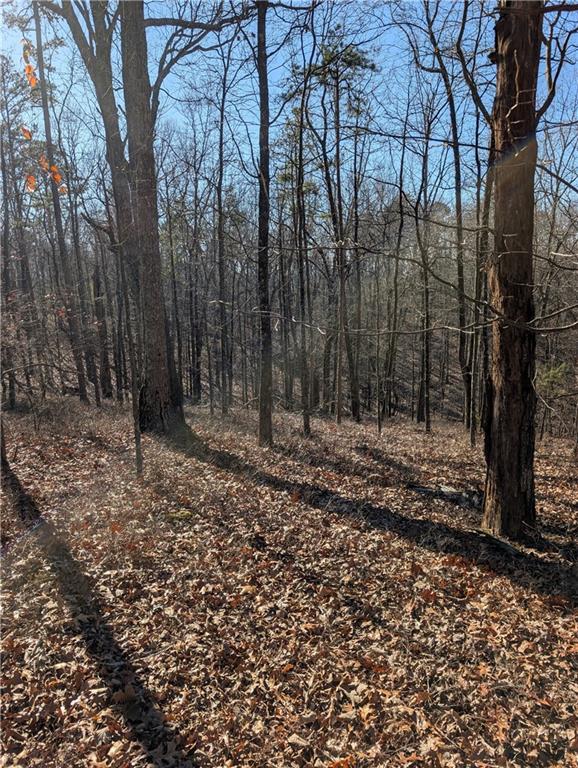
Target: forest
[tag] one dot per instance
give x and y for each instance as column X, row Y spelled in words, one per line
column 289, row 367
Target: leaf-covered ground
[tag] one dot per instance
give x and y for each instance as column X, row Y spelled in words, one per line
column 327, row 602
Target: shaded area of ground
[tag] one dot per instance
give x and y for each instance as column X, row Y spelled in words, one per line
column 328, row 602
column 529, row 570
column 129, row 697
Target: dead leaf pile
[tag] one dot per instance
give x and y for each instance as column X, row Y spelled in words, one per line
column 325, row 602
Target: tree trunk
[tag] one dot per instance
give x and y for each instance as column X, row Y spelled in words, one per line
column 134, row 377
column 7, row 297
column 302, row 255
column 33, row 325
column 176, row 317
column 266, row 366
column 100, row 311
column 448, row 85
column 195, row 328
column 160, row 395
column 69, row 293
column 221, row 241
column 509, row 504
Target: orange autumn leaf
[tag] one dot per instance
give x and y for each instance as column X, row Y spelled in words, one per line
column 30, row 73
column 56, row 175
column 43, row 162
column 63, row 189
column 26, row 132
column 30, row 183
column 343, row 762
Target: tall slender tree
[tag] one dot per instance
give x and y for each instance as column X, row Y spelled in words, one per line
column 266, row 364
column 69, row 287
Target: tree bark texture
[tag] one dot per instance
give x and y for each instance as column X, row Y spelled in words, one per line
column 509, row 504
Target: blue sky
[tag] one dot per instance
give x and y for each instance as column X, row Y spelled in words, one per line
column 386, row 90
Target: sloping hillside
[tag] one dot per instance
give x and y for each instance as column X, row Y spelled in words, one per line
column 326, row 602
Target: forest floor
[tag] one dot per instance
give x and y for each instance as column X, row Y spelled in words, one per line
column 326, row 602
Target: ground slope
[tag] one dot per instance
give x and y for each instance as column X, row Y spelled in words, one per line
column 327, row 602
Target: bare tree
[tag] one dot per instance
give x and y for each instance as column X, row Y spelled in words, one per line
column 266, row 364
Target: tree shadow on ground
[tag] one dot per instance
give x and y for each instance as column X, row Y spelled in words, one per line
column 389, row 473
column 406, row 471
column 523, row 568
column 128, row 694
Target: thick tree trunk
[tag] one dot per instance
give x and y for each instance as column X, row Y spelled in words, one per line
column 119, row 343
column 284, row 273
column 354, row 363
column 134, row 195
column 96, row 55
column 134, row 378
column 160, row 395
column 340, row 259
column 509, row 505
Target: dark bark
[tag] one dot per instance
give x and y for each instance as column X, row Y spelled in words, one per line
column 160, row 396
column 96, row 55
column 195, row 330
column 266, row 363
column 134, row 376
column 509, row 504
column 7, row 283
column 223, row 325
column 302, row 255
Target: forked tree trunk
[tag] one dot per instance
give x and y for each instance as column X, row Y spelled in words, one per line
column 509, row 504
